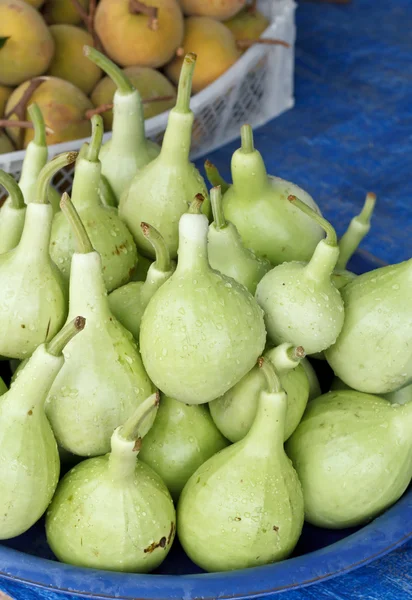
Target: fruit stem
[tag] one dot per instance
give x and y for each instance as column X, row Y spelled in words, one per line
column 272, row 380
column 215, row 177
column 246, row 138
column 47, row 173
column 137, row 7
column 358, row 228
column 296, row 353
column 36, row 117
column 82, row 240
column 195, row 207
column 12, row 188
column 162, row 262
column 132, row 430
column 331, row 238
column 95, row 144
column 56, row 346
column 184, row 89
column 217, row 208
column 116, row 75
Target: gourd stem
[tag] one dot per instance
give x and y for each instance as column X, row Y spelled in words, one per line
column 36, row 117
column 246, row 138
column 195, row 207
column 331, row 238
column 116, row 75
column 217, row 208
column 12, row 188
column 83, row 243
column 131, row 430
column 56, row 346
column 296, row 353
column 184, row 89
column 93, row 149
column 272, row 380
column 163, row 262
column 358, row 228
column 214, row 177
column 47, row 173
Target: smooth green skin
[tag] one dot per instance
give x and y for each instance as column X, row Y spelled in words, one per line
column 11, row 226
column 97, row 520
column 201, row 332
column 3, row 387
column 34, row 160
column 143, row 264
column 129, row 302
column 235, row 411
column 108, row 234
column 29, row 459
column 299, row 307
column 373, row 352
column 33, row 304
column 181, row 439
column 103, row 379
column 244, row 506
column 314, row 386
column 402, row 396
column 353, row 455
column 228, row 255
column 342, row 277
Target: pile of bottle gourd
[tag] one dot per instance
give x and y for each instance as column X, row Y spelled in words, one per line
column 159, row 336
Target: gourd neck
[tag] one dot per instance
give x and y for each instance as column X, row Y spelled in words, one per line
column 85, row 193
column 267, row 431
column 34, row 160
column 88, row 294
column 358, row 228
column 249, row 173
column 35, row 238
column 11, row 226
column 192, row 253
column 128, row 133
column 154, row 279
column 123, row 458
column 285, row 357
column 323, row 262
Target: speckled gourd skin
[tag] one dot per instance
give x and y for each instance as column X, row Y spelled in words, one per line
column 353, row 455
column 373, row 352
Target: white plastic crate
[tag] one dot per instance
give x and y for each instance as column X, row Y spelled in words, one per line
column 257, row 88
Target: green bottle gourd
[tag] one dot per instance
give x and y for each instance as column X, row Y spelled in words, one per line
column 401, row 396
column 103, row 379
column 353, row 455
column 226, row 251
column 128, row 150
column 33, row 303
column 214, row 177
column 244, row 506
column 300, row 301
column 129, row 302
column 160, row 193
column 258, row 206
column 142, row 269
column 114, row 512
column 235, row 411
column 12, row 214
column 108, row 234
column 314, row 385
column 182, row 438
column 373, row 352
column 29, row 459
column 3, row 387
column 358, row 228
column 202, row 331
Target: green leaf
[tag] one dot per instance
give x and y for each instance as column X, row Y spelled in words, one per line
column 3, row 40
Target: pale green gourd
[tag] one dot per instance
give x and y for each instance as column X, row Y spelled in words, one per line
column 161, row 191
column 373, row 352
column 108, row 234
column 129, row 302
column 214, row 177
column 114, row 512
column 258, row 206
column 128, row 150
column 12, row 214
column 244, row 506
column 202, row 331
column 3, row 387
column 226, row 251
column 106, row 194
column 314, row 385
column 235, row 411
column 33, row 304
column 142, row 268
column 182, row 438
column 29, row 459
column 103, row 379
column 401, row 396
column 300, row 301
column 353, row 455
column 358, row 228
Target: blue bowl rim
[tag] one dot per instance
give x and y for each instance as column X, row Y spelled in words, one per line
column 380, row 536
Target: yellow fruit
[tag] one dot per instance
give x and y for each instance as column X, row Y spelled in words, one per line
column 4, row 96
column 68, row 61
column 29, row 49
column 149, row 83
column 127, row 37
column 248, row 25
column 216, row 9
column 63, row 11
column 215, row 47
column 34, row 3
column 63, row 106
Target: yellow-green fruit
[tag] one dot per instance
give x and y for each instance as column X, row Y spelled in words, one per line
column 216, row 9
column 248, row 25
column 63, row 106
column 29, row 48
column 63, row 11
column 34, row 3
column 215, row 47
column 5, row 144
column 128, row 38
column 69, row 62
column 5, row 93
column 148, row 82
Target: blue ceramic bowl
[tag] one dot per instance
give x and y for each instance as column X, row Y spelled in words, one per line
column 320, row 554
